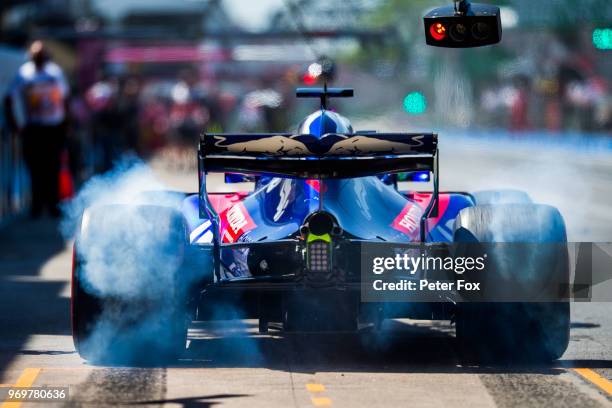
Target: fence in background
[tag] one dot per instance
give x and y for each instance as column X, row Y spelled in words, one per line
column 14, row 183
column 14, row 187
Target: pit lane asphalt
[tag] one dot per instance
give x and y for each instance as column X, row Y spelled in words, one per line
column 231, row 365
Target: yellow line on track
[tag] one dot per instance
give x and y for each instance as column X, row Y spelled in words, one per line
column 315, row 387
column 596, row 379
column 321, row 401
column 318, row 401
column 26, row 379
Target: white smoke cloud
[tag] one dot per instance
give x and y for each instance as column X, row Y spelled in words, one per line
column 131, row 247
column 133, row 254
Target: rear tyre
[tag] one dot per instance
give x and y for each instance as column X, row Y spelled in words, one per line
column 85, row 310
column 512, row 332
column 515, row 331
column 129, row 305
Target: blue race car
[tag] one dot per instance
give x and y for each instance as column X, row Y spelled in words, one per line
column 291, row 252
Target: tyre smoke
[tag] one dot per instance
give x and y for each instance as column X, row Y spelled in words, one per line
column 131, row 246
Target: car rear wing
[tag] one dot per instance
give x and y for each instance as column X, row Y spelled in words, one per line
column 306, row 156
column 333, row 155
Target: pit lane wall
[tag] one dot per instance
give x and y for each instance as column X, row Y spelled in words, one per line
column 14, row 184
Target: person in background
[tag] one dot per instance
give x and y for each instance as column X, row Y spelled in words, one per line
column 37, row 100
column 102, row 98
column 519, row 110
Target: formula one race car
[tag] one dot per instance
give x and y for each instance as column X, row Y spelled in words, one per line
column 290, row 252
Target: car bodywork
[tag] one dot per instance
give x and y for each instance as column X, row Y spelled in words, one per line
column 258, row 243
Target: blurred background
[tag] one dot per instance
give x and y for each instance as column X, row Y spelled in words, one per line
column 145, row 77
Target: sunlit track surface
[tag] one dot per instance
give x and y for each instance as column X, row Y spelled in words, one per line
column 410, row 362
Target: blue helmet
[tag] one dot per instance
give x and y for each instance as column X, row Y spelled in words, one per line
column 323, row 121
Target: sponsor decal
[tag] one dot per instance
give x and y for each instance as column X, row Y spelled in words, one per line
column 368, row 144
column 277, row 145
column 408, row 220
column 327, row 144
column 235, row 221
column 221, row 201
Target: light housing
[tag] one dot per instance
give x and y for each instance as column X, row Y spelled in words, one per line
column 319, row 256
column 476, row 26
column 317, row 230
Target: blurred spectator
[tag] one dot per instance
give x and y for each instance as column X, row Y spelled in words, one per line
column 79, row 143
column 520, row 105
column 187, row 117
column 260, row 110
column 128, row 110
column 102, row 98
column 37, row 100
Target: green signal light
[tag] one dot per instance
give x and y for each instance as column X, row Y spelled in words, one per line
column 602, row 38
column 415, row 103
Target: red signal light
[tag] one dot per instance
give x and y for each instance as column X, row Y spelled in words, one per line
column 309, row 79
column 438, row 31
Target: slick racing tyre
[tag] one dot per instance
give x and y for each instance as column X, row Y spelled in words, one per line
column 527, row 331
column 129, row 305
column 496, row 197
